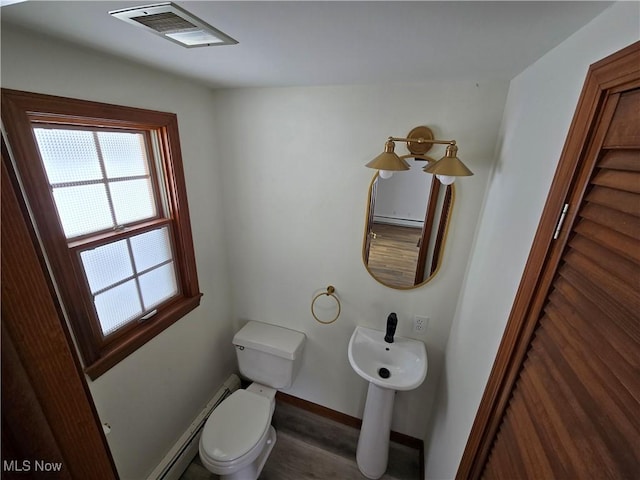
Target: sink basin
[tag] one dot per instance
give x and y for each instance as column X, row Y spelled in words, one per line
column 401, row 365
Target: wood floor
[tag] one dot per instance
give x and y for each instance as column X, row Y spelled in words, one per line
column 311, row 447
column 394, row 254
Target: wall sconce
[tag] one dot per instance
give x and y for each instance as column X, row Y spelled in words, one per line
column 419, row 141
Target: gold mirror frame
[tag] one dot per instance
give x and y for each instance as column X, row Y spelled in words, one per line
column 442, row 227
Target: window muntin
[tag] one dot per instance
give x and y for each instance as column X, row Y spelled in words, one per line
column 100, row 180
column 129, row 277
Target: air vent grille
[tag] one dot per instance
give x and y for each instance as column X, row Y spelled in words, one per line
column 167, row 22
column 175, row 24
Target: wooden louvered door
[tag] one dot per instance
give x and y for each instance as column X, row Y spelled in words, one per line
column 563, row 400
column 575, row 410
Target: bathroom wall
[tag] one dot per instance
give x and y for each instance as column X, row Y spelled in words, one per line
column 295, row 192
column 539, row 110
column 151, row 397
column 277, row 190
column 404, row 196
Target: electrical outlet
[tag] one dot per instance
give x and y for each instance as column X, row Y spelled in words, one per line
column 420, row 324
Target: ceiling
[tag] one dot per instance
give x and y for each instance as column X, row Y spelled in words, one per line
column 321, row 43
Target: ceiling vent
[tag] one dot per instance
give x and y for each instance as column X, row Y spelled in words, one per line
column 175, row 24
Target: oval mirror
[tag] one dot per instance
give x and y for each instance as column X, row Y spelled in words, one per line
column 406, row 227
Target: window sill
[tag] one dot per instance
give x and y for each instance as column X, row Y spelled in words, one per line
column 148, row 330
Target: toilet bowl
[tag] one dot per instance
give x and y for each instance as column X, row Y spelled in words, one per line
column 238, row 437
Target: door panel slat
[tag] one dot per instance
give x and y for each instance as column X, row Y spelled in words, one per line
column 626, row 181
column 614, row 219
column 611, row 425
column 623, row 293
column 609, row 389
column 616, row 349
column 551, row 379
column 625, row 127
column 582, row 413
column 602, row 320
column 621, row 160
column 616, row 242
column 548, row 420
column 614, row 309
column 535, row 459
column 616, row 199
column 615, row 264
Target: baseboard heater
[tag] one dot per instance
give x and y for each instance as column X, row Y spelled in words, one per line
column 401, row 222
column 177, row 460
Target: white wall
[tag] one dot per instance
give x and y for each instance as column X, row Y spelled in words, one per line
column 151, row 397
column 405, row 195
column 539, row 110
column 295, row 196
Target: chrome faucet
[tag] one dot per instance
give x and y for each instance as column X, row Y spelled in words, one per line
column 392, row 322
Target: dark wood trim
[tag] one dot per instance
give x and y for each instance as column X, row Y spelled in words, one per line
column 603, row 78
column 353, row 422
column 320, row 410
column 46, row 408
column 19, row 110
column 438, row 248
column 77, row 245
column 427, row 228
column 177, row 188
column 145, row 332
column 368, row 229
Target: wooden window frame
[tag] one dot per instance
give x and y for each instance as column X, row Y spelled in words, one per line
column 20, row 110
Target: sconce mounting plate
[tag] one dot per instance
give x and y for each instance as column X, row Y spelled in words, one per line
column 420, row 148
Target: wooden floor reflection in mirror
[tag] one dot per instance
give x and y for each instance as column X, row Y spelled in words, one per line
column 393, row 254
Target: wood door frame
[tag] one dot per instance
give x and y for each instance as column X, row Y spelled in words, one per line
column 59, row 416
column 427, row 226
column 606, row 77
column 368, row 230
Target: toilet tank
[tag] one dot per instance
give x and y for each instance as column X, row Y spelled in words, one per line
column 269, row 354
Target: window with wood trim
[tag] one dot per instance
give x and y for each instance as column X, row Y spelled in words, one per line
column 107, row 194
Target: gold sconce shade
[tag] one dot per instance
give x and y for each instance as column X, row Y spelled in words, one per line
column 388, row 160
column 419, row 140
column 449, row 165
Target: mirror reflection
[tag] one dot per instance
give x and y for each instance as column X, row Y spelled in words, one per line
column 406, row 226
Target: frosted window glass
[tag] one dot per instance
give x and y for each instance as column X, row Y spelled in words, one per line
column 151, row 248
column 158, row 285
column 118, row 306
column 68, row 155
column 132, row 200
column 82, row 209
column 107, row 265
column 124, row 154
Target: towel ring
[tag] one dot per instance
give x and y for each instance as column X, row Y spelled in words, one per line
column 329, row 293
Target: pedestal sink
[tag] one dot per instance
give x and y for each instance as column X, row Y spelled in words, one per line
column 388, row 367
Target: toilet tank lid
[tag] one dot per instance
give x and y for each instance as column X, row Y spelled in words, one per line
column 264, row 337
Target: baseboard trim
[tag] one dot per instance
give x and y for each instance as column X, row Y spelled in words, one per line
column 348, row 420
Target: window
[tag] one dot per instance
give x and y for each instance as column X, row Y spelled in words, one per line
column 106, row 190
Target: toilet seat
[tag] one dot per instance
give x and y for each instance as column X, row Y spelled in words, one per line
column 237, row 429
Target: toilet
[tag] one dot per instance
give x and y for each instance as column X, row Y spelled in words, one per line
column 238, row 437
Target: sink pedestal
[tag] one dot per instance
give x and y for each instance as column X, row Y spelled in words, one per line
column 388, row 367
column 373, row 444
